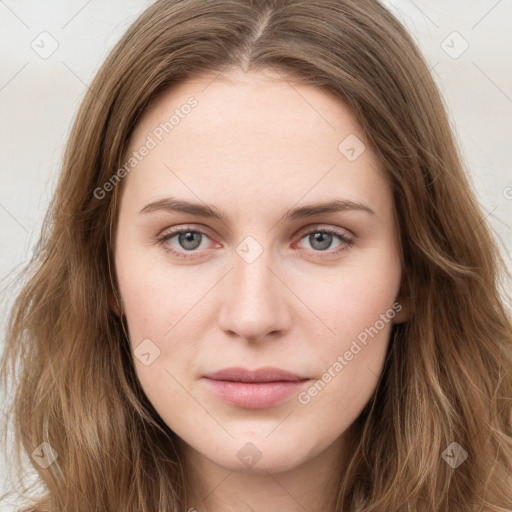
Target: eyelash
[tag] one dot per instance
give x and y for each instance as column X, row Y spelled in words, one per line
column 348, row 241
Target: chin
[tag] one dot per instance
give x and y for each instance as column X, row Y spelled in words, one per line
column 253, row 458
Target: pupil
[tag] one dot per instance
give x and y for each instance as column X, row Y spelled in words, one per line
column 187, row 240
column 323, row 239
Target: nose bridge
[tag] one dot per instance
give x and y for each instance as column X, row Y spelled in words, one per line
column 253, row 279
column 253, row 305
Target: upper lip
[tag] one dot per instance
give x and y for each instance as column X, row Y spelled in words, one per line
column 266, row 374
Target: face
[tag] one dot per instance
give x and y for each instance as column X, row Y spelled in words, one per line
column 253, row 277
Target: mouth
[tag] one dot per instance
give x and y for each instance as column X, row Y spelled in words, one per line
column 254, row 389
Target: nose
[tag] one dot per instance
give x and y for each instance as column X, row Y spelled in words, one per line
column 254, row 300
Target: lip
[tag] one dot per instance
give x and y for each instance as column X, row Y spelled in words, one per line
column 254, row 389
column 265, row 374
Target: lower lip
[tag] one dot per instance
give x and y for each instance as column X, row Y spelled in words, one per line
column 259, row 395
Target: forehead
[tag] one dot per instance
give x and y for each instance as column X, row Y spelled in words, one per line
column 255, row 134
column 263, row 104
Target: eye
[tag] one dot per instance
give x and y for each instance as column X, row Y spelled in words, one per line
column 188, row 240
column 321, row 239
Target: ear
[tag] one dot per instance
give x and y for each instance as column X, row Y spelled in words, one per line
column 113, row 303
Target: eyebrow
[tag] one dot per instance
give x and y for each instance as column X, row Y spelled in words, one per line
column 171, row 204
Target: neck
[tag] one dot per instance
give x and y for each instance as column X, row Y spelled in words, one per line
column 309, row 486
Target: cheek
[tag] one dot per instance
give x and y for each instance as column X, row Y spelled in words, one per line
column 355, row 296
column 141, row 289
column 147, row 285
column 142, row 306
column 164, row 305
column 159, row 302
column 350, row 361
column 357, row 308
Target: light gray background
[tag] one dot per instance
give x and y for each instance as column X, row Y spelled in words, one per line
column 39, row 98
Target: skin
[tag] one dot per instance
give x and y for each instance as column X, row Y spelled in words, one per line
column 255, row 146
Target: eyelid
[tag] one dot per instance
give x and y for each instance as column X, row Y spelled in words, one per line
column 305, row 230
column 346, row 237
column 176, row 230
column 325, row 227
column 164, row 236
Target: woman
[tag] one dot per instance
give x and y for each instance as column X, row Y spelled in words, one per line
column 264, row 282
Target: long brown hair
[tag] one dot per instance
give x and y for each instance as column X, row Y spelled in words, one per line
column 448, row 374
